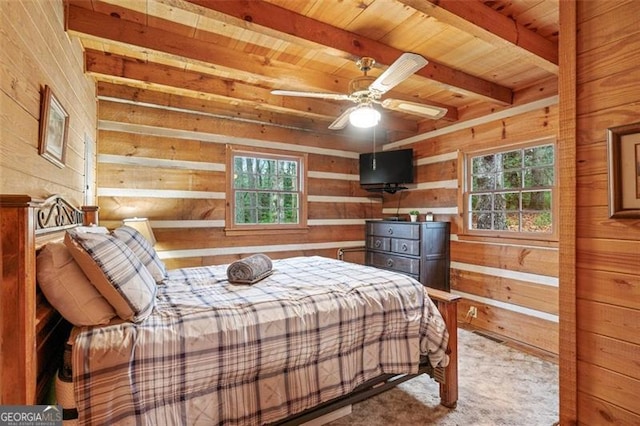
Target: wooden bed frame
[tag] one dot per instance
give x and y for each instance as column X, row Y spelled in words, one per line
column 33, row 333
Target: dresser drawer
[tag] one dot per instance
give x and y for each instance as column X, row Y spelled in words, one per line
column 378, row 243
column 395, row 230
column 411, row 247
column 396, row 263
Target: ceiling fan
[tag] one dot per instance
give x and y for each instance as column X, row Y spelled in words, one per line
column 366, row 91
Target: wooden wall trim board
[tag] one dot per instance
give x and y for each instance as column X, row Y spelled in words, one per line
column 507, row 306
column 510, row 112
column 173, row 254
column 546, row 280
column 217, row 138
column 434, row 210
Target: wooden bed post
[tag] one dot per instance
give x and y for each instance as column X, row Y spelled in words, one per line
column 447, row 304
column 89, row 215
column 18, row 366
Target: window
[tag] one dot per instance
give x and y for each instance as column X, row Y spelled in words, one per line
column 265, row 190
column 512, row 192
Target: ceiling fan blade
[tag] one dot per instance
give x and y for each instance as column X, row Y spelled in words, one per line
column 414, row 108
column 332, row 96
column 341, row 122
column 406, row 65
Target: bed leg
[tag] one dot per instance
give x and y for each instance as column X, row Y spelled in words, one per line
column 449, row 389
column 447, row 304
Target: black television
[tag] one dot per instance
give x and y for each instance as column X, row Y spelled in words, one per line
column 386, row 170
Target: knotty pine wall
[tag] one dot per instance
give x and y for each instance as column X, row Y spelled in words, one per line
column 168, row 164
column 35, row 52
column 607, row 250
column 513, row 283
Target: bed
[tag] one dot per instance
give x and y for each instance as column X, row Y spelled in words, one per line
column 283, row 379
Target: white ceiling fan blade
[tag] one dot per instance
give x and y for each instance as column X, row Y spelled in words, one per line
column 414, row 108
column 341, row 122
column 332, row 96
column 406, row 65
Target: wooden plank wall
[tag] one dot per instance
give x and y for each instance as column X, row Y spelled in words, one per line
column 608, row 250
column 513, row 284
column 168, row 164
column 36, row 52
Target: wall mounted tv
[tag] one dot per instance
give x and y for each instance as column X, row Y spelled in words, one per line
column 386, row 170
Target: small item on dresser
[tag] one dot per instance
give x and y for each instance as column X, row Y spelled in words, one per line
column 429, row 217
column 250, row 269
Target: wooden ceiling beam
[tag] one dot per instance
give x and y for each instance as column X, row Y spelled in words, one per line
column 485, row 23
column 82, row 22
column 295, row 25
column 233, row 94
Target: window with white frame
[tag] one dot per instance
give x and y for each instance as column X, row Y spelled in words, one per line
column 511, row 192
column 265, row 190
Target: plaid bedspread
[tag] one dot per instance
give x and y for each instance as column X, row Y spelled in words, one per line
column 216, row 353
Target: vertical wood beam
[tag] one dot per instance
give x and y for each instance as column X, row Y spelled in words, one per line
column 18, row 365
column 567, row 221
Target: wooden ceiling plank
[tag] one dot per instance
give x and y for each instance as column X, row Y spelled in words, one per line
column 298, row 26
column 229, row 92
column 164, row 99
column 482, row 21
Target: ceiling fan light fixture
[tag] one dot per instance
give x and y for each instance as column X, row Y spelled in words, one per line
column 364, row 116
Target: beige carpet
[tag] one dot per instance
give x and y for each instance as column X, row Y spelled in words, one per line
column 498, row 385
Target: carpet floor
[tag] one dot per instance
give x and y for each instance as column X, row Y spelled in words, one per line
column 498, row 385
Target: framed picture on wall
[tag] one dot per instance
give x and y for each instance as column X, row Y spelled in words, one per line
column 54, row 125
column 624, row 171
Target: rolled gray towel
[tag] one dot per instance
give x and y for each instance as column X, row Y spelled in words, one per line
column 250, row 269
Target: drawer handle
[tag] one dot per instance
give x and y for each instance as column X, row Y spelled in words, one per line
column 390, row 263
column 405, row 247
column 378, row 243
column 390, row 231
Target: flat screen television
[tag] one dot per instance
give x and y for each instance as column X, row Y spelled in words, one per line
column 386, row 170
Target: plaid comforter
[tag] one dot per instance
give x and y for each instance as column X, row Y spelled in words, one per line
column 216, row 353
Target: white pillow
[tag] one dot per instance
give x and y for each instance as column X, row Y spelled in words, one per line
column 68, row 289
column 115, row 271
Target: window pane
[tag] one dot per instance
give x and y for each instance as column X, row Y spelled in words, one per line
column 537, row 177
column 537, row 222
column 481, row 202
column 513, row 222
column 512, row 160
column 484, row 164
column 484, row 182
column 499, row 221
column 481, row 221
column 510, row 201
column 538, row 156
column 511, row 179
column 536, row 200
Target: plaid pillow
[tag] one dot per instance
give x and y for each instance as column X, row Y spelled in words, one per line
column 115, row 271
column 143, row 249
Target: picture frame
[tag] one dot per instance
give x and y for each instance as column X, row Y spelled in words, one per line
column 623, row 154
column 54, row 126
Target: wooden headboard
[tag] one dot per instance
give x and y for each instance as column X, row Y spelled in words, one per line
column 32, row 332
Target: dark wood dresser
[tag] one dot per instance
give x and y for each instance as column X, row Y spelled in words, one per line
column 418, row 249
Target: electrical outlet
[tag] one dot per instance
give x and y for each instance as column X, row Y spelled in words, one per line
column 473, row 312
